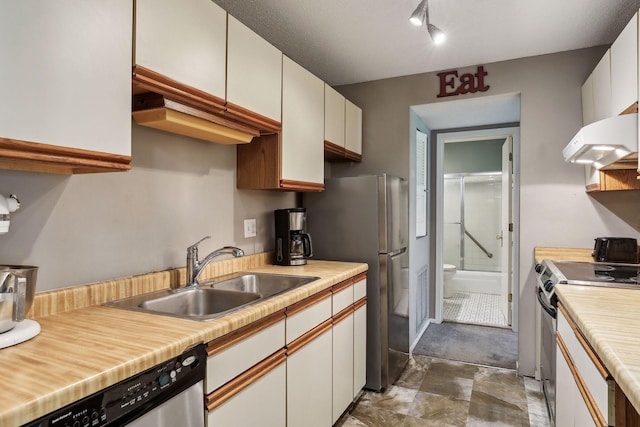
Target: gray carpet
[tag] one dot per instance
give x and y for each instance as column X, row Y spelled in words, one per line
column 483, row 345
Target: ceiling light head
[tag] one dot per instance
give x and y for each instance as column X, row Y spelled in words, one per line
column 436, row 34
column 419, row 16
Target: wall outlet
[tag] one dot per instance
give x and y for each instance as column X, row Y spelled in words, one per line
column 250, row 227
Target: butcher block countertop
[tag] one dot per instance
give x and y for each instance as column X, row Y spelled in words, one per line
column 82, row 351
column 608, row 318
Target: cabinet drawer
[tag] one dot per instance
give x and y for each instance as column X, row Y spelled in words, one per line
column 307, row 314
column 342, row 296
column 593, row 373
column 227, row 360
column 360, row 289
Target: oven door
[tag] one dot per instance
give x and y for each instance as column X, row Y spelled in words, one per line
column 548, row 352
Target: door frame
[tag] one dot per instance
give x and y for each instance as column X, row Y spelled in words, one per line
column 493, row 132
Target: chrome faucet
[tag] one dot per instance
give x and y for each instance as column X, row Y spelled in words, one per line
column 195, row 266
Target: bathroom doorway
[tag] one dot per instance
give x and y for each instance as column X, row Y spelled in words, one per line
column 475, row 178
column 473, row 233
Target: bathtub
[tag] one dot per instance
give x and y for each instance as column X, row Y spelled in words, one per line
column 483, row 282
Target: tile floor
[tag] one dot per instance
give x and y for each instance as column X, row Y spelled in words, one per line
column 475, row 308
column 437, row 392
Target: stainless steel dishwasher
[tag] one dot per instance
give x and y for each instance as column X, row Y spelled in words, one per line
column 169, row 394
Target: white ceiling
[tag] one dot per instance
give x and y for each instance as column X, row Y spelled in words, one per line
column 349, row 41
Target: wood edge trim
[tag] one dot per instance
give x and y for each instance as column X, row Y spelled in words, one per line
column 352, row 155
column 233, row 337
column 594, row 411
column 288, row 184
column 334, row 148
column 359, row 277
column 264, row 123
column 18, row 149
column 166, row 86
column 307, row 302
column 633, row 108
column 360, row 303
column 591, row 188
column 604, row 372
column 305, row 339
column 342, row 285
column 244, row 380
column 342, row 315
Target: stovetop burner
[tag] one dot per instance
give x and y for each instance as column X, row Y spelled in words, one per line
column 598, row 273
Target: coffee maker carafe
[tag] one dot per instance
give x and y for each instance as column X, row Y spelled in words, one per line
column 293, row 244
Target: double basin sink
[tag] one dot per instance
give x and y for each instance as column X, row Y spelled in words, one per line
column 216, row 298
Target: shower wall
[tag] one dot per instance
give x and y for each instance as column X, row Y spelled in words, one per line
column 472, row 202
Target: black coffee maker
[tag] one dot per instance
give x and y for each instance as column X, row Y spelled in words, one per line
column 293, row 244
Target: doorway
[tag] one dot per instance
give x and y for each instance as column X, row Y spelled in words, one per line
column 476, row 221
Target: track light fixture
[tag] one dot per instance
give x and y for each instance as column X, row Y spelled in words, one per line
column 420, row 17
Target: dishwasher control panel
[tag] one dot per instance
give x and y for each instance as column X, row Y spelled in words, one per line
column 133, row 397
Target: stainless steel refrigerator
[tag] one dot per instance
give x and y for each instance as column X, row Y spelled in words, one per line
column 365, row 219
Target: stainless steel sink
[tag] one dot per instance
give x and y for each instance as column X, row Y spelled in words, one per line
column 266, row 285
column 213, row 299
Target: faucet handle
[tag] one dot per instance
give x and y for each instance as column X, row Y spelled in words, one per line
column 194, row 247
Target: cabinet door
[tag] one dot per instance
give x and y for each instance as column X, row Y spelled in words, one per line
column 183, row 40
column 624, row 68
column 66, row 75
column 309, row 380
column 353, row 128
column 334, row 116
column 359, row 347
column 302, row 125
column 602, row 88
column 342, row 365
column 263, row 403
column 254, row 72
column 587, row 102
column 566, row 392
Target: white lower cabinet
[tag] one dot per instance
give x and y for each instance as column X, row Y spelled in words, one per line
column 584, row 387
column 359, row 346
column 342, row 362
column 262, row 403
column 309, row 382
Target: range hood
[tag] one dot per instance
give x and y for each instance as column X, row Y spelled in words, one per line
column 604, row 142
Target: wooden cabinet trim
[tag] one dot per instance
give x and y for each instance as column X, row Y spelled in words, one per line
column 37, row 157
column 626, row 415
column 633, row 108
column 343, row 315
column 244, row 380
column 342, row 285
column 359, row 277
column 288, row 184
column 305, row 339
column 595, row 413
column 307, row 302
column 228, row 340
column 258, row 163
column 336, row 153
column 360, row 303
column 155, row 82
column 265, row 124
column 585, row 344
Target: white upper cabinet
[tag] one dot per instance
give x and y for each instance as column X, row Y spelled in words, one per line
column 353, row 128
column 302, row 125
column 65, row 77
column 602, row 88
column 254, row 72
column 624, row 68
column 185, row 41
column 334, row 116
column 587, row 102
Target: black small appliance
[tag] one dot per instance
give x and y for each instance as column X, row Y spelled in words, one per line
column 293, row 243
column 615, row 249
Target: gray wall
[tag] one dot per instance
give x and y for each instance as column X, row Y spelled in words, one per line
column 85, row 228
column 554, row 209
